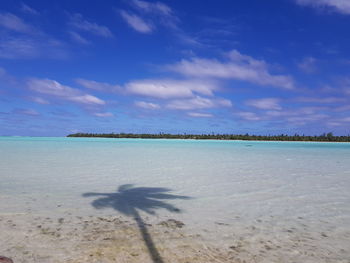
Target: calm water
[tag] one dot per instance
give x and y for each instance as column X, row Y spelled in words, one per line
column 229, row 181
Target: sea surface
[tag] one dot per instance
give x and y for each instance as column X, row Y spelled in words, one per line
column 225, row 190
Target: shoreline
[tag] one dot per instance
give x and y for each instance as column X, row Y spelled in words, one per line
column 206, row 139
column 329, row 137
column 171, row 139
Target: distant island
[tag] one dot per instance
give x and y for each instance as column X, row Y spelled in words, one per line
column 326, row 137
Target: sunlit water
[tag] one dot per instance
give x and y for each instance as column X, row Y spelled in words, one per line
column 235, row 186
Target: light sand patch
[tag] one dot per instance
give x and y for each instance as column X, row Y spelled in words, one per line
column 107, row 239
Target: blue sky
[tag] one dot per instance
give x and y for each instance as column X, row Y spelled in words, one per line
column 245, row 66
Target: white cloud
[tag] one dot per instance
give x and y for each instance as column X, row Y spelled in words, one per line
column 180, row 94
column 167, row 89
column 99, row 86
column 198, row 103
column 53, row 88
column 103, row 114
column 136, row 22
column 239, row 67
column 14, row 23
column 308, row 65
column 78, row 22
column 265, row 103
column 147, row 105
column 87, row 99
column 28, row 10
column 341, row 6
column 200, row 115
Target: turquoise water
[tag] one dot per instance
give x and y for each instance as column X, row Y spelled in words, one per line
column 276, row 183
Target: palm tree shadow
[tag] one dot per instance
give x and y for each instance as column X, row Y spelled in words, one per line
column 128, row 200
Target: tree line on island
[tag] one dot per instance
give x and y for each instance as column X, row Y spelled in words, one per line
column 325, row 137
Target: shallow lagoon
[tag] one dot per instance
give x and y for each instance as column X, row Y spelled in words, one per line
column 263, row 201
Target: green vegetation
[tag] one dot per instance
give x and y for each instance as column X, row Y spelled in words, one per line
column 329, row 137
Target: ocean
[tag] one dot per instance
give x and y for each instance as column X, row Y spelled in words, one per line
column 286, row 193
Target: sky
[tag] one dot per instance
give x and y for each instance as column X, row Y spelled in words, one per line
column 214, row 66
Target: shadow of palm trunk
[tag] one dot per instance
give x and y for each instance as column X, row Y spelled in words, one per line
column 147, row 238
column 128, row 200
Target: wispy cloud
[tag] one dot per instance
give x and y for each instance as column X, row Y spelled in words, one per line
column 39, row 100
column 305, row 119
column 78, row 22
column 341, row 86
column 200, row 115
column 341, row 6
column 148, row 16
column 156, row 7
column 198, row 103
column 343, row 108
column 344, row 83
column 103, row 114
column 20, row 40
column 239, row 67
column 136, row 22
column 147, row 105
column 18, row 48
column 294, row 116
column 308, row 65
column 249, row 116
column 339, row 122
column 98, row 86
column 265, row 103
column 28, row 112
column 29, row 48
column 14, row 23
column 2, row 72
column 162, row 13
column 168, row 88
column 28, row 10
column 7, row 78
column 54, row 89
column 78, row 38
column 320, row 100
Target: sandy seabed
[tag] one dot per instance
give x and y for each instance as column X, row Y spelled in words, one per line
column 81, row 239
